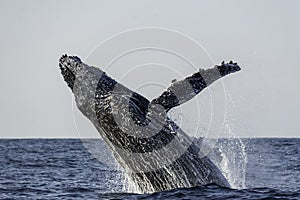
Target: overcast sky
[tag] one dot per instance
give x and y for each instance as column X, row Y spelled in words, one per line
column 263, row 36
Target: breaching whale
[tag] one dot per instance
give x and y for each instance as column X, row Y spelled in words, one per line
column 155, row 153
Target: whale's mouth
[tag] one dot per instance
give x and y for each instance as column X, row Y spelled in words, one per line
column 69, row 66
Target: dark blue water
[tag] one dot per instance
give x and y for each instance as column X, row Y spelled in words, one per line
column 64, row 169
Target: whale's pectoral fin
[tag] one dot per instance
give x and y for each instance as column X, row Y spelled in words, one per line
column 182, row 91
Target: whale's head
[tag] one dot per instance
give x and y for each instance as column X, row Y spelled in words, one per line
column 86, row 82
column 70, row 66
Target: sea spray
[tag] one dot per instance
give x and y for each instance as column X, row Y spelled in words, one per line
column 233, row 150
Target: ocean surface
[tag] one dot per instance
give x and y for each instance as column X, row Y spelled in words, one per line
column 64, row 169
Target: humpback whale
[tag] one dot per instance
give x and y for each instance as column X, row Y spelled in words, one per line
column 155, row 153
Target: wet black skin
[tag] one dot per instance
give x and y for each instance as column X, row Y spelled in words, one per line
column 94, row 89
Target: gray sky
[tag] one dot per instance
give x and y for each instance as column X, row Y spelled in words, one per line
column 263, row 36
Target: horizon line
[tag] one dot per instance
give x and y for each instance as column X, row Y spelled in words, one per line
column 20, row 138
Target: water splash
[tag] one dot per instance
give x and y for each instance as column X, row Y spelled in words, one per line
column 233, row 151
column 229, row 153
column 234, row 159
